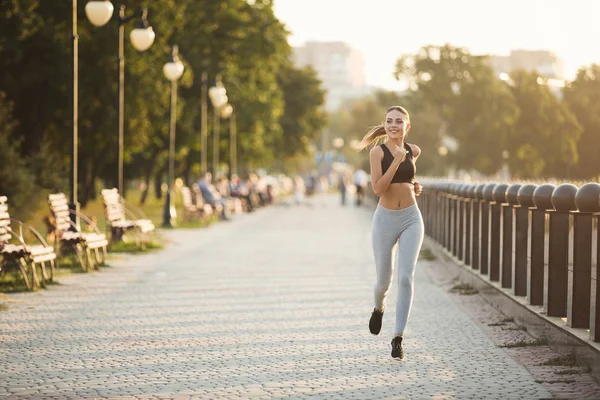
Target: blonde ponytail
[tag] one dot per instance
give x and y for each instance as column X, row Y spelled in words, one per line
column 371, row 136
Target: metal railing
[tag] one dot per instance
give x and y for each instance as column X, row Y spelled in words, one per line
column 536, row 241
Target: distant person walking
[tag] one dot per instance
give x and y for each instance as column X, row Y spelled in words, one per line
column 397, row 220
column 361, row 180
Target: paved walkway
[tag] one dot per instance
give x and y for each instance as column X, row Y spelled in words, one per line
column 274, row 304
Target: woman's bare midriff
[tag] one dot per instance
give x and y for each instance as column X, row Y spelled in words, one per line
column 398, row 196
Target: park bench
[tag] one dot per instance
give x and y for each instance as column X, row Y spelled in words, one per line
column 121, row 218
column 26, row 249
column 192, row 208
column 69, row 235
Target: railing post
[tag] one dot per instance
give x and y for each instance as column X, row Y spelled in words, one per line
column 522, row 231
column 460, row 198
column 496, row 230
column 580, row 270
column 488, row 190
column 595, row 292
column 454, row 220
column 446, row 217
column 477, row 204
column 469, row 196
column 559, row 250
column 504, row 223
column 538, row 240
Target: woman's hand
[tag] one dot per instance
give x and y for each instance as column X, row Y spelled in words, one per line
column 399, row 154
column 418, row 188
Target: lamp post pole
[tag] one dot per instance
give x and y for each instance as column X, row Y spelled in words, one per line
column 172, row 70
column 233, row 143
column 204, row 123
column 75, row 140
column 98, row 13
column 216, row 139
column 142, row 45
column 218, row 97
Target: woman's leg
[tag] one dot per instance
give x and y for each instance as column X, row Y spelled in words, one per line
column 407, row 253
column 384, row 236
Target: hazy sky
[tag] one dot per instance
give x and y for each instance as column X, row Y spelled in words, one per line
column 384, row 29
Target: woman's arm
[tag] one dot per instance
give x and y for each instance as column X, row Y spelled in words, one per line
column 416, row 153
column 379, row 180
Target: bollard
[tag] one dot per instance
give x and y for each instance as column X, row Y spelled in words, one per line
column 579, row 284
column 522, row 232
column 461, row 222
column 454, row 222
column 559, row 249
column 538, row 243
column 595, row 292
column 509, row 237
column 469, row 198
column 485, row 228
column 498, row 195
column 476, row 248
column 446, row 219
column 504, row 242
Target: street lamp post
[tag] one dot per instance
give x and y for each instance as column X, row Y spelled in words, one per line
column 218, row 98
column 172, row 71
column 141, row 38
column 227, row 113
column 203, row 123
column 98, row 12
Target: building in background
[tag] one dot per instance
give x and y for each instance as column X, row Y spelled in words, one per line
column 546, row 63
column 338, row 66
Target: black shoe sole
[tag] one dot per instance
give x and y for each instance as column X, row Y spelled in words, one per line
column 374, row 325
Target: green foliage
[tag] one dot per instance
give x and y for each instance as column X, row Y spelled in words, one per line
column 16, row 180
column 455, row 98
column 583, row 99
column 545, row 135
column 302, row 120
column 243, row 43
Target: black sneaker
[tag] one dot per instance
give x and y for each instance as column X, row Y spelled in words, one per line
column 375, row 321
column 397, row 348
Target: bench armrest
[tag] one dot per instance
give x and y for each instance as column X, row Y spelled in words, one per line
column 31, row 229
column 87, row 220
column 133, row 210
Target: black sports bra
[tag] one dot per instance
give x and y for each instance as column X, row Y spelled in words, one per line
column 407, row 168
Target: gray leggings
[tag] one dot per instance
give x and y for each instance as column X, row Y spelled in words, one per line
column 404, row 227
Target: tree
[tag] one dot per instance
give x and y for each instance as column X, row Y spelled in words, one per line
column 16, row 180
column 582, row 97
column 544, row 141
column 303, row 116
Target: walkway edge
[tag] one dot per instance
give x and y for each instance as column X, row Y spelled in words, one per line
column 561, row 338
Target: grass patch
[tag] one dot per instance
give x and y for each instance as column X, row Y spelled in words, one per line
column 464, row 289
column 561, row 361
column 427, row 255
column 3, row 307
column 132, row 247
column 12, row 282
column 525, row 343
